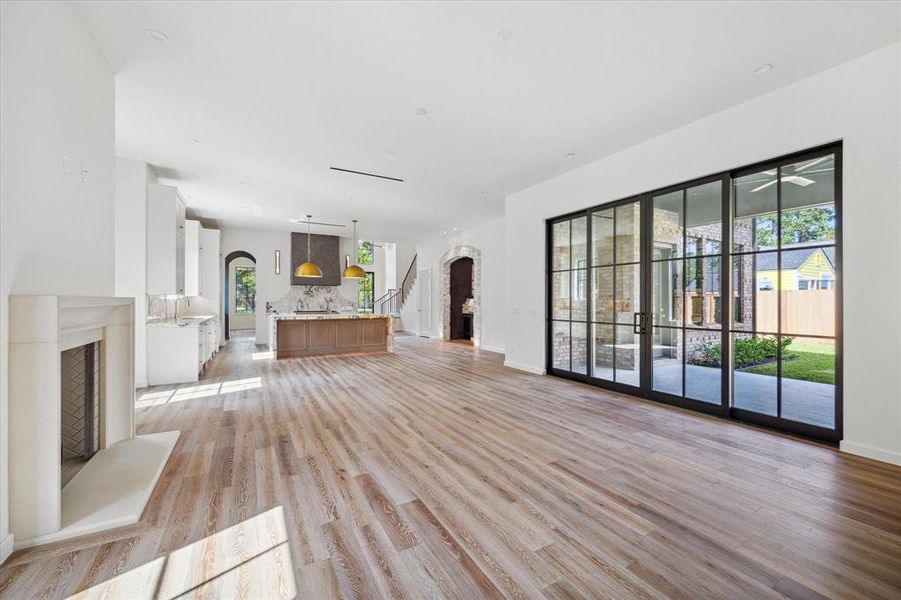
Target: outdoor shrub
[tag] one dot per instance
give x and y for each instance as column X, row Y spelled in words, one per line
column 746, row 352
column 710, row 354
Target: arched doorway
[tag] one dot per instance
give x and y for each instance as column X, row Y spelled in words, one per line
column 235, row 302
column 460, row 299
column 451, row 306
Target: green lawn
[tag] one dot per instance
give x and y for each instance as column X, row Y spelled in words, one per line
column 818, row 366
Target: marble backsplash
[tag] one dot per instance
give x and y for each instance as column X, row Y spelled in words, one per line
column 312, row 297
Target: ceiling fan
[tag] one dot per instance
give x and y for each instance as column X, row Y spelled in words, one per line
column 796, row 179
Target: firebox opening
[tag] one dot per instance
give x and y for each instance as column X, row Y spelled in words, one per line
column 80, row 400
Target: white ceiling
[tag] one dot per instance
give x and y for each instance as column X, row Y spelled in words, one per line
column 279, row 92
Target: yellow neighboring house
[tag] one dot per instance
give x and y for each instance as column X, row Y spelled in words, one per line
column 802, row 269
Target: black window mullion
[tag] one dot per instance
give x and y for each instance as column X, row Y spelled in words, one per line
column 571, row 299
column 684, row 281
column 725, row 295
column 778, row 292
column 589, row 300
column 613, row 294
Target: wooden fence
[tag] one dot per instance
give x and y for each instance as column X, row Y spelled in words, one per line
column 810, row 312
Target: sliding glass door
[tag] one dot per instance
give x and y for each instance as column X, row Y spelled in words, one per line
column 720, row 295
column 595, row 296
column 616, row 291
column 686, row 293
column 785, row 324
column 568, row 298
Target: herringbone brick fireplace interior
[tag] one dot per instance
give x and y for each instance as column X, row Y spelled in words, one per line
column 80, row 399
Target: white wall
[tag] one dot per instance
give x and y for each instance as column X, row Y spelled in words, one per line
column 390, row 277
column 132, row 177
column 236, row 321
column 57, row 100
column 489, row 238
column 857, row 102
column 262, row 245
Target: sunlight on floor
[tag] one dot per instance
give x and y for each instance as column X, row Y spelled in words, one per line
column 249, row 559
column 198, row 391
column 262, row 355
column 240, row 385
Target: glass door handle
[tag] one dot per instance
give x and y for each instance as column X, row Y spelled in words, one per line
column 640, row 322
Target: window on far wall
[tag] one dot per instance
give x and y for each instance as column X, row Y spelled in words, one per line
column 245, row 290
column 366, row 293
column 364, row 253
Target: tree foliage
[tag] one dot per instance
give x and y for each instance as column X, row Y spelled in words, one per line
column 364, row 253
column 245, row 290
column 798, row 226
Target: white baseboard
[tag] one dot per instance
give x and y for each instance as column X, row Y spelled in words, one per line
column 492, row 349
column 141, row 384
column 871, row 452
column 523, row 367
column 6, row 547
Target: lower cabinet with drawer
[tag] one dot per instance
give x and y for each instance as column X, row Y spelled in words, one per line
column 178, row 353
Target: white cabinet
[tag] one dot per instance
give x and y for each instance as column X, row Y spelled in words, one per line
column 210, row 277
column 165, row 241
column 172, row 354
column 179, row 353
column 193, row 260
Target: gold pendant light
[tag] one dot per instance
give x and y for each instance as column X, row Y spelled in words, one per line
column 353, row 271
column 308, row 269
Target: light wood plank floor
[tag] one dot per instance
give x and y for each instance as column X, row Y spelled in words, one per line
column 437, row 472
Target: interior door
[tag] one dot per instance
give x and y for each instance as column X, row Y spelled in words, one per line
column 425, row 303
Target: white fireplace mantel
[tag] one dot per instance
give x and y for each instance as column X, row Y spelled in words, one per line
column 40, row 328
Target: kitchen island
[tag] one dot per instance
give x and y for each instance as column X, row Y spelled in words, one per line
column 314, row 334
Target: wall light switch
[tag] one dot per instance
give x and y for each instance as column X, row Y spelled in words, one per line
column 67, row 164
column 84, row 174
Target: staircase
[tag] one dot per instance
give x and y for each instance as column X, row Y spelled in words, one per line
column 393, row 301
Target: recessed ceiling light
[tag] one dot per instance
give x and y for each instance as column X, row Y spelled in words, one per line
column 197, row 140
column 455, row 229
column 503, row 34
column 242, row 182
column 571, row 155
column 761, row 69
column 443, row 233
column 157, row 36
column 485, row 192
column 421, row 112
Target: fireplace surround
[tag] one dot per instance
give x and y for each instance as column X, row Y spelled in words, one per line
column 112, row 485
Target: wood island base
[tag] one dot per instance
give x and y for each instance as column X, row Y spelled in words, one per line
column 315, row 337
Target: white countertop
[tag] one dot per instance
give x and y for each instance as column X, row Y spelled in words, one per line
column 181, row 322
column 323, row 316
